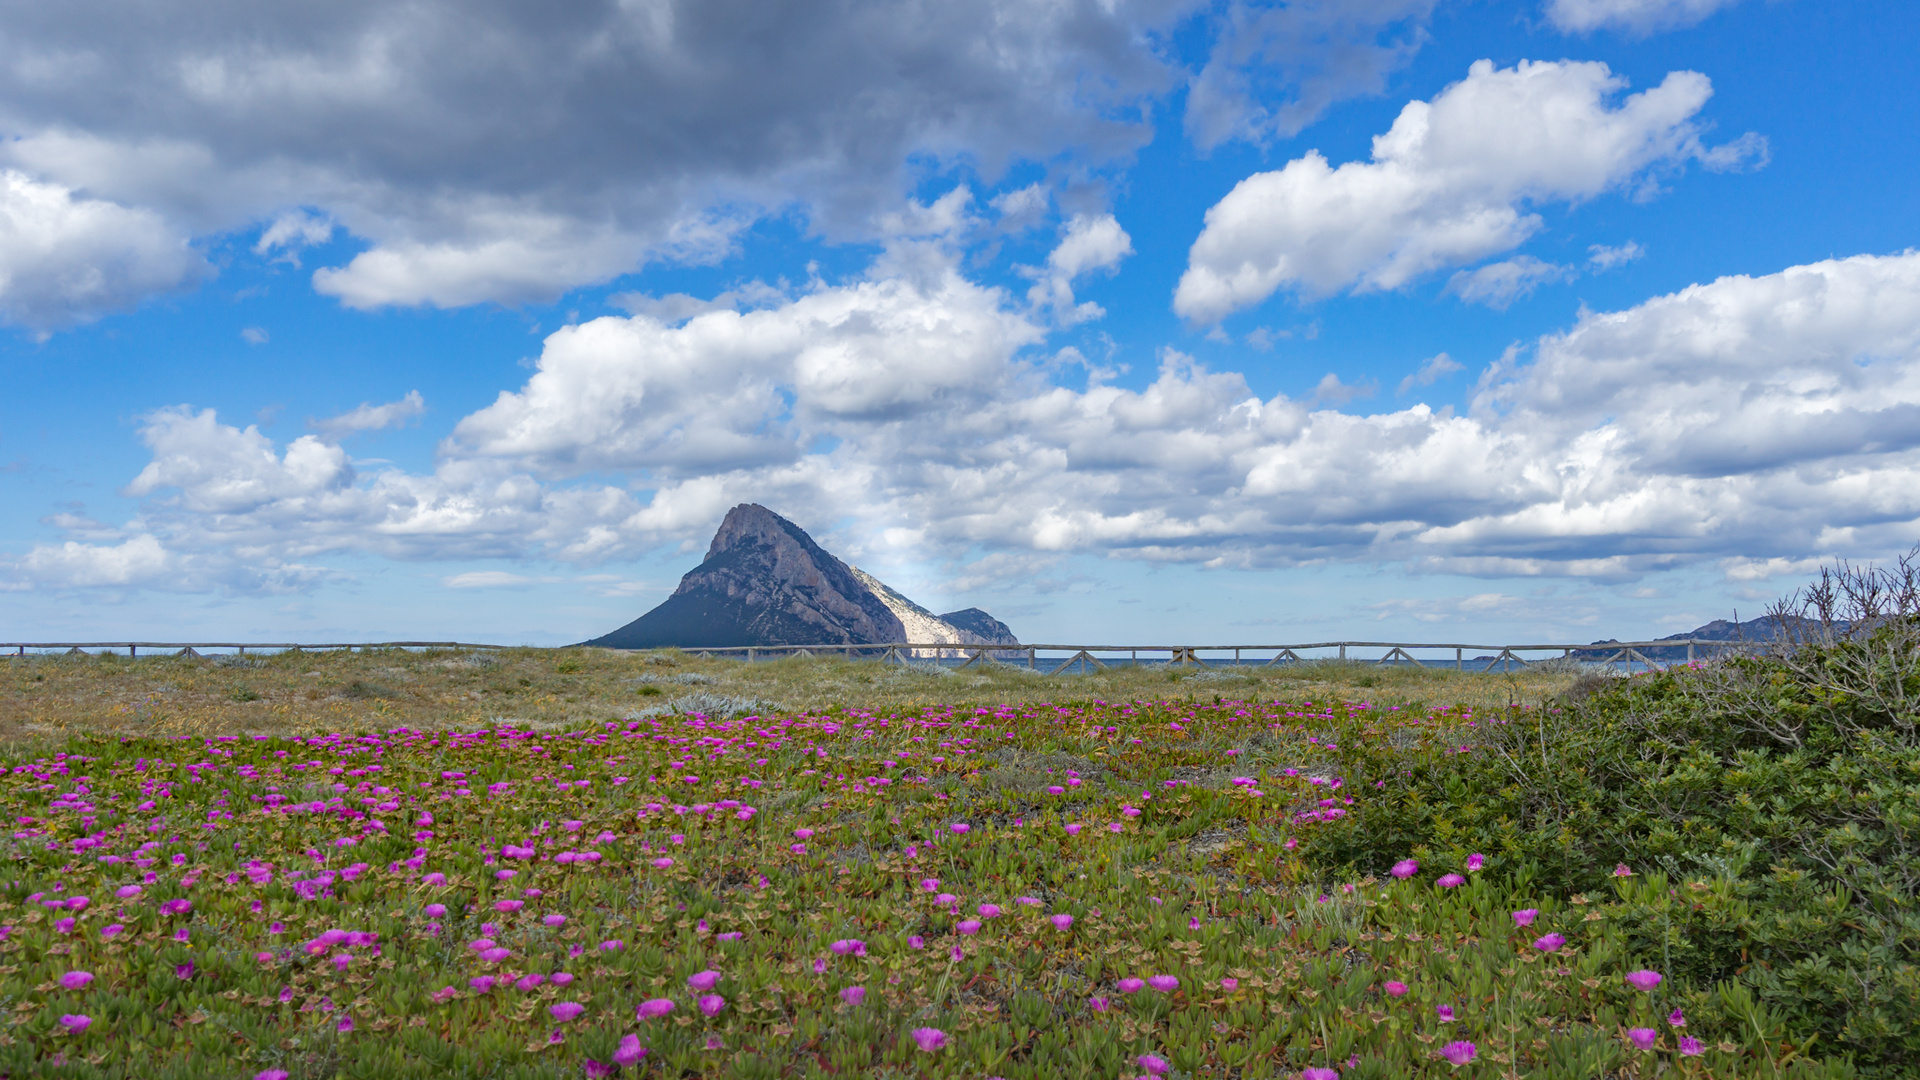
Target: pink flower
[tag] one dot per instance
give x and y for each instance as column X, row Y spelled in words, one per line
column 612, row 945
column 958, row 827
column 127, row 892
column 1156, row 1066
column 1451, row 881
column 1229, row 984
column 915, row 941
column 494, row 955
column 76, row 980
column 345, row 1025
column 481, row 984
column 1061, row 922
column 1074, row 830
column 1550, row 943
column 1643, row 980
column 1405, row 868
column 653, row 1007
column 1475, row 862
column 435, row 911
column 848, row 947
column 561, row 978
column 1525, row 916
column 968, row 926
column 270, row 1074
column 1319, row 1074
column 1643, row 1038
column 1131, row 986
column 1166, row 984
column 820, row 967
column 1395, row 988
column 853, row 995
column 1459, row 1053
column 803, row 834
column 926, row 1038
column 1622, row 871
column 75, row 1023
column 1691, row 1047
column 565, row 1010
column 111, row 930
column 508, row 907
column 1099, row 1004
column 1677, row 1018
column 183, row 971
column 703, row 981
column 630, row 1051
column 711, row 1004
column 1444, row 1012
column 988, row 911
column 553, row 921
column 662, row 863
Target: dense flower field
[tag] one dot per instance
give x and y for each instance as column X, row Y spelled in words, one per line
column 1099, row 890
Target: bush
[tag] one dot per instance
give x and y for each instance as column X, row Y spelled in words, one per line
column 1766, row 807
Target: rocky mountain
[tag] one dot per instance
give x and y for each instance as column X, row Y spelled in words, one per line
column 1754, row 631
column 765, row 582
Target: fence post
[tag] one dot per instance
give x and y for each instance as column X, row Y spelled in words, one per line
column 1343, row 650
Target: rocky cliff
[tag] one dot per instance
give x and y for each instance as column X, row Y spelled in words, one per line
column 765, row 582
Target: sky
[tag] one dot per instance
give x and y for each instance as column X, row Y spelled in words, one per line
column 1128, row 321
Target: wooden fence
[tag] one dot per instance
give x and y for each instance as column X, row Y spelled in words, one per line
column 1089, row 657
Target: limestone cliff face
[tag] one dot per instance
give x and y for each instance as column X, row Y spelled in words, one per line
column 764, row 582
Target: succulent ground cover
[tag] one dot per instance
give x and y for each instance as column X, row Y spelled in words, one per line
column 1098, row 888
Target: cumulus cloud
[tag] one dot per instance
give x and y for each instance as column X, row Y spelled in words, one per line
column 1602, row 257
column 372, row 417
column 1090, row 243
column 1447, row 184
column 1635, row 16
column 1770, row 419
column 66, row 259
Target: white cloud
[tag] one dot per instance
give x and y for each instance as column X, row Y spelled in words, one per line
column 1498, row 285
column 292, row 231
column 372, row 417
column 66, row 259
column 490, row 579
column 1332, row 391
column 1447, row 184
column 1432, row 370
column 1636, row 16
column 1602, row 257
column 1770, row 419
column 1091, row 243
column 255, row 335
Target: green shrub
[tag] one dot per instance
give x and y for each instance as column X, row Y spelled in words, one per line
column 1768, row 807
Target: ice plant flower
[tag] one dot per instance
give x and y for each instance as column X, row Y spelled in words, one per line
column 481, row 984
column 711, row 1004
column 75, row 1023
column 630, row 1051
column 968, row 926
column 853, row 995
column 1406, row 868
column 848, row 947
column 653, row 1007
column 926, row 1038
column 1643, row 1038
column 1319, row 1074
column 1643, row 980
column 1099, row 1004
column 1166, row 984
column 1550, row 943
column 76, row 980
column 1155, row 1066
column 565, row 1010
column 1622, row 871
column 1475, row 862
column 1444, row 1012
column 1131, row 986
column 1229, row 984
column 1677, row 1018
column 1525, row 916
column 703, row 981
column 1061, row 922
column 1691, row 1047
column 1395, row 988
column 1451, row 881
column 1459, row 1053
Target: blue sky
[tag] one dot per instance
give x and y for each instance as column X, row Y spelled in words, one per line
column 1224, row 322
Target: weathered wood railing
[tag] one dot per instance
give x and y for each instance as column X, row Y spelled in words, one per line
column 1089, row 657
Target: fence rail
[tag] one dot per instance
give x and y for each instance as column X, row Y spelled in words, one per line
column 1089, row 657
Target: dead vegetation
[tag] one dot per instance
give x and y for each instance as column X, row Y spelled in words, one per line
column 288, row 693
